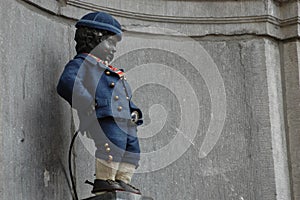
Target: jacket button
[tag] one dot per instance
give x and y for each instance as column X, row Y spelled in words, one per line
column 116, row 97
column 110, row 158
column 107, row 72
column 127, row 98
column 112, row 84
column 120, row 108
column 107, row 149
column 106, row 145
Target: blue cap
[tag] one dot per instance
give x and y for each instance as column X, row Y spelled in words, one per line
column 101, row 21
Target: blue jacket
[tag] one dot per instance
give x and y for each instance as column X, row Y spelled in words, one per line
column 95, row 91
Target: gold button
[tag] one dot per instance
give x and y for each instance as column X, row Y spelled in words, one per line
column 107, row 149
column 107, row 72
column 116, row 97
column 106, row 145
column 110, row 158
column 120, row 108
column 112, row 84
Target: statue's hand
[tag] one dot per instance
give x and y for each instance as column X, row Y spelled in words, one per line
column 134, row 116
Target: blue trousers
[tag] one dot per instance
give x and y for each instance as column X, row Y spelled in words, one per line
column 116, row 140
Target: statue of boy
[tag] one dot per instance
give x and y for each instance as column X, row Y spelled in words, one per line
column 102, row 97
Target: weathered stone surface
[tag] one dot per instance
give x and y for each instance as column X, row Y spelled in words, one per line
column 51, row 6
column 276, row 112
column 35, row 123
column 291, row 55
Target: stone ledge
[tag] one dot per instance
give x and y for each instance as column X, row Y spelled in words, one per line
column 119, row 196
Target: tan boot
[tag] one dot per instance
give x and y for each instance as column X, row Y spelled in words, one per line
column 105, row 177
column 124, row 175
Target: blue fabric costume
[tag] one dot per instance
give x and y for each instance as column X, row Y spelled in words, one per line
column 103, row 101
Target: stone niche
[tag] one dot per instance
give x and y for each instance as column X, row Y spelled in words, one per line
column 244, row 40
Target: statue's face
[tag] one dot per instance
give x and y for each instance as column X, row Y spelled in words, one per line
column 107, row 48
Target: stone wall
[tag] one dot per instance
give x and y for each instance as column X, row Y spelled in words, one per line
column 35, row 124
column 220, row 94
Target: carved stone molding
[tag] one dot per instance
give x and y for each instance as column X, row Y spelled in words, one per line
column 187, row 20
column 264, row 18
column 260, row 23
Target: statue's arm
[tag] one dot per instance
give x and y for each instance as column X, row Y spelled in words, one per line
column 71, row 87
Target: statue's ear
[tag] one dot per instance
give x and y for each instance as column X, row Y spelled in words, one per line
column 89, row 39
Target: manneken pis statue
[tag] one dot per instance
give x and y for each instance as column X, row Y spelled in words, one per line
column 102, row 97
